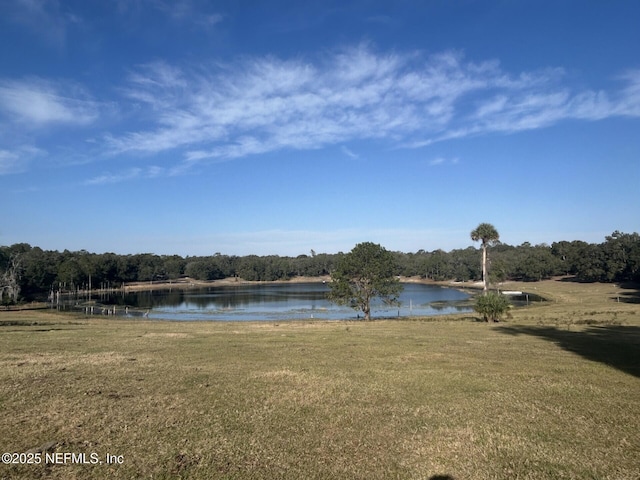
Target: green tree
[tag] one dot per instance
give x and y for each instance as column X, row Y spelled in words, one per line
column 464, row 265
column 365, row 273
column 438, row 265
column 204, row 269
column 568, row 254
column 622, row 256
column 174, row 266
column 40, row 269
column 70, row 273
column 488, row 234
column 252, row 268
column 492, row 306
column 534, row 263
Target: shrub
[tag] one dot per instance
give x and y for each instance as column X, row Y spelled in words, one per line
column 492, row 306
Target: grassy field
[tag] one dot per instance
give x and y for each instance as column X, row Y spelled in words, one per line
column 552, row 393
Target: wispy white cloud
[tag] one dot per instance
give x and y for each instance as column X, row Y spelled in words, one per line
column 10, row 162
column 267, row 104
column 190, row 12
column 628, row 101
column 443, row 161
column 17, row 160
column 38, row 102
column 127, row 175
column 45, row 19
column 106, row 178
column 224, row 111
column 349, row 153
column 196, row 13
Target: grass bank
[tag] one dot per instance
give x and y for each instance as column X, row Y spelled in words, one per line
column 552, row 393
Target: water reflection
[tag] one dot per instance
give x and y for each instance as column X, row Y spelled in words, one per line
column 283, row 302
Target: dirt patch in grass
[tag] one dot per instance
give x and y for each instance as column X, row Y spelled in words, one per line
column 166, row 335
column 49, row 360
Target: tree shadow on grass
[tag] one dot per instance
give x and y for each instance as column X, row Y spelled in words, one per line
column 631, row 293
column 616, row 346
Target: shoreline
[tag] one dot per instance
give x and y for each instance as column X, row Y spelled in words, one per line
column 187, row 283
column 190, row 283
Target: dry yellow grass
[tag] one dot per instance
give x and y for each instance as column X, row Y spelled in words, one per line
column 546, row 395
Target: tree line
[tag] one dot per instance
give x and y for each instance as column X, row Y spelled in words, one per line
column 28, row 272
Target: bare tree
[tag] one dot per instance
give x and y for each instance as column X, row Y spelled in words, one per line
column 10, row 280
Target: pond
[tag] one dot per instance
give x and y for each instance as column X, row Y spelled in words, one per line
column 281, row 302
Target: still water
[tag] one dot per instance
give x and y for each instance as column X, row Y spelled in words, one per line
column 285, row 302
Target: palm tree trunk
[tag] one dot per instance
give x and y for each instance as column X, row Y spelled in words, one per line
column 484, row 268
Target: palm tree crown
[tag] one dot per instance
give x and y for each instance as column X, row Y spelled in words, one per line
column 485, row 232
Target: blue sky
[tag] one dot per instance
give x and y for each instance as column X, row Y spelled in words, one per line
column 194, row 127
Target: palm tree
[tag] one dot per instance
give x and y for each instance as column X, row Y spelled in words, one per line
column 489, row 236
